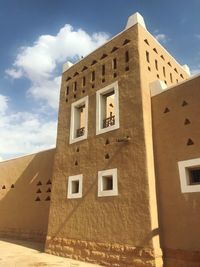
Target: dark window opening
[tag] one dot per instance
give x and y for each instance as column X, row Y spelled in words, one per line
column 84, row 80
column 147, row 56
column 93, row 75
column 107, row 183
column 75, row 187
column 126, row 56
column 75, row 86
column 114, row 63
column 194, row 176
column 164, row 73
column 171, row 78
column 156, row 64
column 103, row 70
column 67, row 90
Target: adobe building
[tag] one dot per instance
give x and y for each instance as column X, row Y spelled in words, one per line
column 124, row 177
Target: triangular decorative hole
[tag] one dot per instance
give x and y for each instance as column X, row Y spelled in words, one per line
column 190, row 142
column 12, row 186
column 126, row 42
column 146, row 41
column 107, row 156
column 184, row 103
column 37, row 199
column 49, row 190
column 166, row 110
column 93, row 62
column 39, row 183
column 114, row 49
column 49, row 181
column 39, row 191
column 75, row 74
column 3, row 187
column 103, row 56
column 84, row 68
column 187, row 121
column 155, row 50
column 107, row 142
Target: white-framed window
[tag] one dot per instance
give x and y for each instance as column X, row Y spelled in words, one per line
column 107, row 108
column 75, row 186
column 189, row 171
column 79, row 120
column 107, row 183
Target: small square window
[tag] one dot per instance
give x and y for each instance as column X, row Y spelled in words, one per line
column 79, row 120
column 107, row 113
column 194, row 175
column 107, row 183
column 189, row 172
column 75, row 186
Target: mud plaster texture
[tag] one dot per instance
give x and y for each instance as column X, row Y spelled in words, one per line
column 21, row 216
column 116, row 219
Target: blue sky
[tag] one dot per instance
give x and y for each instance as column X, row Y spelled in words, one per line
column 38, row 36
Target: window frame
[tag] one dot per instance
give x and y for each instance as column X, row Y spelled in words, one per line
column 101, row 175
column 184, row 174
column 72, row 179
column 74, row 105
column 99, row 110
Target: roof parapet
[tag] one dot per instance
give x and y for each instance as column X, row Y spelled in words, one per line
column 157, row 87
column 67, row 65
column 134, row 19
column 186, row 69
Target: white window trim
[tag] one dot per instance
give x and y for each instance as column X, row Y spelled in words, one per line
column 99, row 129
column 73, row 139
column 184, row 175
column 106, row 193
column 79, row 178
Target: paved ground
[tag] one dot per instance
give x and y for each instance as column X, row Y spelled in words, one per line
column 14, row 253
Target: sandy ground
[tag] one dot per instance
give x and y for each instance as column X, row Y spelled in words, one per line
column 15, row 253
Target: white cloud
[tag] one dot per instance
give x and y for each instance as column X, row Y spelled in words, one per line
column 23, row 132
column 161, row 37
column 3, row 104
column 26, row 132
column 40, row 61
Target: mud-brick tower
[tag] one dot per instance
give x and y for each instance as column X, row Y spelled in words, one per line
column 104, row 207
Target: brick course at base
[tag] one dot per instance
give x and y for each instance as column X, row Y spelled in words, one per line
column 106, row 254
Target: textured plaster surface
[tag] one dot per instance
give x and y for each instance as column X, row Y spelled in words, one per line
column 20, row 215
column 122, row 219
column 179, row 213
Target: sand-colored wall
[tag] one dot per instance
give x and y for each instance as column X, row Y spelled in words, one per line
column 107, row 230
column 20, row 215
column 179, row 213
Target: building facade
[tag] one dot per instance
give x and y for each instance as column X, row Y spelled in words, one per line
column 125, row 177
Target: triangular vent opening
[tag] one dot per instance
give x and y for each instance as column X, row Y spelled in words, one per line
column 190, row 142
column 166, row 110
